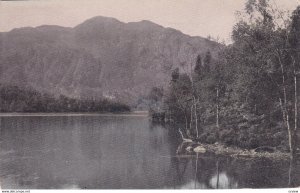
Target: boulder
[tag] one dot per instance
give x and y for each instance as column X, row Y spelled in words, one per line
column 189, row 149
column 265, row 149
column 199, row 149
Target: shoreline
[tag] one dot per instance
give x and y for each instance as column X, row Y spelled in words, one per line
column 74, row 114
column 220, row 149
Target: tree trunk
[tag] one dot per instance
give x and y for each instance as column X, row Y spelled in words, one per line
column 191, row 122
column 291, row 173
column 291, row 139
column 296, row 110
column 183, row 138
column 186, row 122
column 285, row 110
column 196, row 118
column 290, row 132
column 217, row 121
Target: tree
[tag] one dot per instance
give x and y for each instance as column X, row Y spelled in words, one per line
column 262, row 44
column 251, row 89
column 198, row 66
column 294, row 41
column 175, row 74
column 177, row 100
column 207, row 61
column 155, row 98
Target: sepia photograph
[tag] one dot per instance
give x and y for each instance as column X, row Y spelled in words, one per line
column 149, row 94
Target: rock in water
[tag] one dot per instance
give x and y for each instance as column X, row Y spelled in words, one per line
column 199, row 149
column 189, row 149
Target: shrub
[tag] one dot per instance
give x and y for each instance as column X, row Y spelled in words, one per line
column 211, row 139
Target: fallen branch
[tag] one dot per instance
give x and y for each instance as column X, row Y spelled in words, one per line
column 183, row 138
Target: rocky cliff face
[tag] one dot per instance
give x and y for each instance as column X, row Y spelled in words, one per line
column 101, row 57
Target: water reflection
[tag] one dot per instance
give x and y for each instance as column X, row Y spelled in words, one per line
column 119, row 152
column 222, row 181
column 192, row 184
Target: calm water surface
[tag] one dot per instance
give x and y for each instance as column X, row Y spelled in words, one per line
column 112, row 152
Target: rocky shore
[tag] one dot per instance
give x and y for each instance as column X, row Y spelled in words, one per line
column 191, row 148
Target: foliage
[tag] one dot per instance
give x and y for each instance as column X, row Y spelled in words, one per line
column 248, row 95
column 15, row 99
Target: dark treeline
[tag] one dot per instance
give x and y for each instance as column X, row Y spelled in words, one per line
column 248, row 95
column 15, row 99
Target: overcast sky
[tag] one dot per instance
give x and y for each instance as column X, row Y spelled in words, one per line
column 193, row 17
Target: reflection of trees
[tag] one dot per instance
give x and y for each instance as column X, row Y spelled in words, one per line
column 205, row 172
column 201, row 170
column 180, row 167
column 91, row 137
column 208, row 170
column 217, row 172
column 264, row 173
column 217, row 177
column 221, row 180
column 196, row 170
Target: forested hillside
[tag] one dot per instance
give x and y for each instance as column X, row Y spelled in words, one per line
column 15, row 99
column 249, row 95
column 100, row 58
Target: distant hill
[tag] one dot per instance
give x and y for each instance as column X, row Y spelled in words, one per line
column 101, row 57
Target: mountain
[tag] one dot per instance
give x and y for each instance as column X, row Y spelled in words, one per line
column 101, row 57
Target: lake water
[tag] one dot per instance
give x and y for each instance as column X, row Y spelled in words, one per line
column 96, row 152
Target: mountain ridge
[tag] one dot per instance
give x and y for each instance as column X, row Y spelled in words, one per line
column 101, row 57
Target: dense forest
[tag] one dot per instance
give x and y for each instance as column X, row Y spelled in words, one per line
column 248, row 95
column 15, row 99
